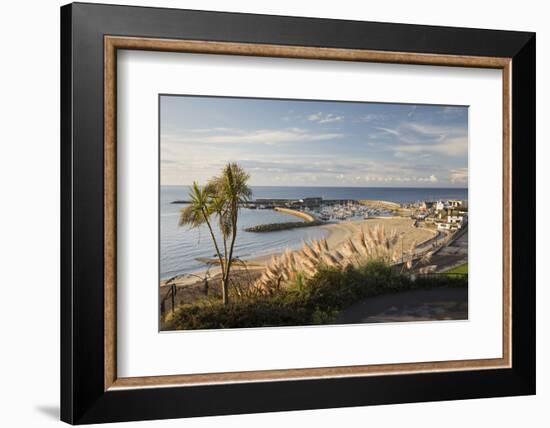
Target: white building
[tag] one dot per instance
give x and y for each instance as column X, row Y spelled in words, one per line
column 448, row 226
column 454, row 219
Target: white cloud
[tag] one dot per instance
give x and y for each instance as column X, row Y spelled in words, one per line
column 434, row 131
column 371, row 117
column 388, row 130
column 406, row 153
column 324, row 118
column 210, row 130
column 448, row 147
column 260, row 136
column 459, row 175
column 419, row 138
column 431, row 179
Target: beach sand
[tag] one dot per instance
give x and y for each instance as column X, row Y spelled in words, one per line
column 338, row 234
column 403, row 226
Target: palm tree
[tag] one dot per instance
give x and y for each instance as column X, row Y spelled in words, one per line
column 222, row 197
column 198, row 212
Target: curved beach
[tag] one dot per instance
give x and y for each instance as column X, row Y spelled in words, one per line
column 338, row 233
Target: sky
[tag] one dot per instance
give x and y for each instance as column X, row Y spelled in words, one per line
column 313, row 143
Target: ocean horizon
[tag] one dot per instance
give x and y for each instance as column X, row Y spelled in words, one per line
column 391, row 194
column 181, row 246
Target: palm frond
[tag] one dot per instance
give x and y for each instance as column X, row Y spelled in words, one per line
column 194, row 214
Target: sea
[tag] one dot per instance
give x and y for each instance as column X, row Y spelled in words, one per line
column 181, row 246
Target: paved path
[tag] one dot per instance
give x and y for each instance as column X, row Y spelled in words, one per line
column 429, row 244
column 452, row 255
column 416, row 305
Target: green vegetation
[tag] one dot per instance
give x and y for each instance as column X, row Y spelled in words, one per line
column 305, row 301
column 305, row 287
column 219, row 200
column 272, row 227
column 462, row 269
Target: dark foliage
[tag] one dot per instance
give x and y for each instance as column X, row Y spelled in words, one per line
column 317, row 300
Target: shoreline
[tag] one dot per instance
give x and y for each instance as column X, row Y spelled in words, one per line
column 338, row 233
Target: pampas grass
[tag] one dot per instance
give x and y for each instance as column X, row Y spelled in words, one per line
column 372, row 244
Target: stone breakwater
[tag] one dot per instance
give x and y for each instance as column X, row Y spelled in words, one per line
column 309, row 220
column 307, row 217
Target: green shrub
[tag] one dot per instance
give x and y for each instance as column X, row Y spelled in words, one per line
column 316, row 300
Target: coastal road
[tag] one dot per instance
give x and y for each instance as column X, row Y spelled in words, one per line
column 454, row 254
column 415, row 305
column 431, row 243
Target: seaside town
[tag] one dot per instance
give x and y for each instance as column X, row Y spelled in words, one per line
column 448, row 215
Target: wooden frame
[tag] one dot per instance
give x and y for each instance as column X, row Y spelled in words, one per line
column 514, row 67
column 113, row 43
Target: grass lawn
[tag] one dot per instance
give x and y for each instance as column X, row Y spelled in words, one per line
column 459, row 269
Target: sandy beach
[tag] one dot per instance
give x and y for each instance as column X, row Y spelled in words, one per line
column 341, row 232
column 338, row 234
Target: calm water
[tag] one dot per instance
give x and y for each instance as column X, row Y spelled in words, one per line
column 180, row 246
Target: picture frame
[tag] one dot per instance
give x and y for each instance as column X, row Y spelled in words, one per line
column 91, row 391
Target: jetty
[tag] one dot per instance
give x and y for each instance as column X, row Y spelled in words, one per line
column 309, row 220
column 306, row 216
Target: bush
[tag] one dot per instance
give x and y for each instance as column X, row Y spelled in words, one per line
column 316, row 300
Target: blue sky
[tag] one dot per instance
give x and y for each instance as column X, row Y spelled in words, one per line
column 314, row 143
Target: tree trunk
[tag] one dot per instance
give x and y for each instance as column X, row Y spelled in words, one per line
column 221, row 259
column 229, row 259
column 225, row 290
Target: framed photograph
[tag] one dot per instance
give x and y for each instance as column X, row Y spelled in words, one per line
column 267, row 213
